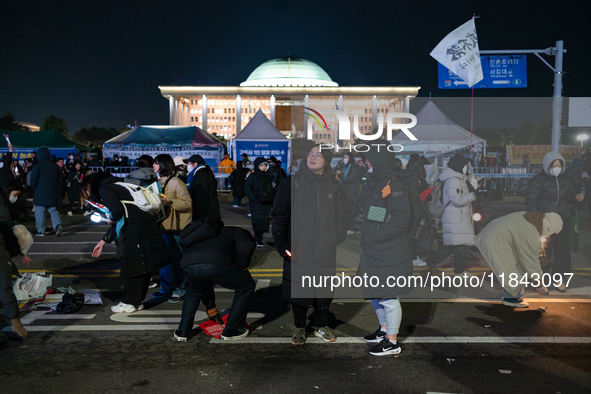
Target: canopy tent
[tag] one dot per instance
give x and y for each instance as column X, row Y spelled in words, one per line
column 23, row 143
column 173, row 140
column 436, row 133
column 261, row 139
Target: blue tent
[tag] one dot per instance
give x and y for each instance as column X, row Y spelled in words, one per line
column 173, row 140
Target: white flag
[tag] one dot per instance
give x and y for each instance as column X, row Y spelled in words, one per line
column 459, row 52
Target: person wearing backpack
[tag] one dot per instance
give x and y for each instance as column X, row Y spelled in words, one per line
column 143, row 248
column 260, row 193
column 314, row 205
column 177, row 202
column 457, row 196
column 384, row 248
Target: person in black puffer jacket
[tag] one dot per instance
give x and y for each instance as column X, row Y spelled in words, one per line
column 237, row 180
column 259, row 190
column 314, row 205
column 384, row 248
column 216, row 255
column 350, row 177
column 45, row 179
column 144, row 250
column 552, row 191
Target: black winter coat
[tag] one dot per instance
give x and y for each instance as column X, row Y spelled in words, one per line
column 351, row 182
column 204, row 195
column 315, row 209
column 546, row 193
column 260, row 213
column 144, row 249
column 75, row 177
column 385, row 250
column 201, row 245
column 6, row 174
column 237, row 180
column 45, row 180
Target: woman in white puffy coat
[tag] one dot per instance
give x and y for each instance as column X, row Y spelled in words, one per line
column 458, row 225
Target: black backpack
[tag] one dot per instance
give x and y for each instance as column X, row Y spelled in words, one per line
column 421, row 233
column 264, row 191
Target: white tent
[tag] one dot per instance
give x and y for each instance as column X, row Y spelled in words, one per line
column 436, row 133
column 261, row 139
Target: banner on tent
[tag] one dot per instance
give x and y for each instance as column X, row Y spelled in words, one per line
column 536, row 153
column 22, row 154
column 212, row 155
column 266, row 149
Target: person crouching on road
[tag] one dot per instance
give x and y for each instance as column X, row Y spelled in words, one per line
column 511, row 246
column 144, row 250
column 312, row 203
column 216, row 255
column 384, row 247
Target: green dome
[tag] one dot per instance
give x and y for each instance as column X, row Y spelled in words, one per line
column 289, row 71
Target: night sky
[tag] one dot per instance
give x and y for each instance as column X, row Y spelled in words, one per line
column 100, row 63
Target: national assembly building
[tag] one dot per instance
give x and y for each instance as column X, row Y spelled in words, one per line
column 278, row 88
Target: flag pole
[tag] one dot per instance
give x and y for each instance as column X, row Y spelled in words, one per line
column 471, row 121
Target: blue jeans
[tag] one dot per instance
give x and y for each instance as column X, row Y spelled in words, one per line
column 200, row 281
column 389, row 313
column 509, row 297
column 172, row 276
column 40, row 218
column 237, row 201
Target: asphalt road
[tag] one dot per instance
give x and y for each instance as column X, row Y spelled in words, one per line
column 453, row 340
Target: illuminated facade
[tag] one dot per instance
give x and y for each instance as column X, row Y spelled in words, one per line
column 280, row 87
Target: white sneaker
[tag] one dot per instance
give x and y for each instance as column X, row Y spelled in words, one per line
column 70, row 213
column 235, row 206
column 125, row 308
column 350, row 232
column 249, row 215
column 418, row 262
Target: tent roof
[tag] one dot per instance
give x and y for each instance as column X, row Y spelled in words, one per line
column 47, row 138
column 260, row 128
column 435, row 132
column 164, row 136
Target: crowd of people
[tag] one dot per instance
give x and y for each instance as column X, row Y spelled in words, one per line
column 312, row 212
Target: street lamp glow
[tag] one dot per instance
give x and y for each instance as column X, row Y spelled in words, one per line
column 582, row 137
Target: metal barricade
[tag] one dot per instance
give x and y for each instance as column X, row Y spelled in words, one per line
column 222, row 176
column 509, row 179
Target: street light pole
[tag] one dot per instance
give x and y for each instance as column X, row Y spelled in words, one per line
column 557, row 97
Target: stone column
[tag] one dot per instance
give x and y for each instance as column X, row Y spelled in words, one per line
column 272, row 105
column 176, row 112
column 374, row 113
column 171, row 110
column 238, row 114
column 204, row 110
column 306, row 104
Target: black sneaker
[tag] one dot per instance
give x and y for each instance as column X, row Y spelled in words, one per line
column 180, row 336
column 385, row 348
column 41, row 234
column 58, row 231
column 376, row 337
column 234, row 334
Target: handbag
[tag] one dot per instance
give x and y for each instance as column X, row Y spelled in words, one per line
column 172, row 223
column 573, row 235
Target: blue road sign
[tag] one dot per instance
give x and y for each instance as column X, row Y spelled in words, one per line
column 499, row 71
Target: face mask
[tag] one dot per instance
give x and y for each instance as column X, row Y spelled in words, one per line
column 158, row 174
column 189, row 168
column 12, row 199
column 465, row 170
column 345, row 161
column 556, row 171
column 370, row 170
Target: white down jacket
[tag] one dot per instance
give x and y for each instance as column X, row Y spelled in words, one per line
column 458, row 225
